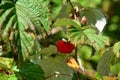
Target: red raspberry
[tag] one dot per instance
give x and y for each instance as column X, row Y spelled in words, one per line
column 64, row 47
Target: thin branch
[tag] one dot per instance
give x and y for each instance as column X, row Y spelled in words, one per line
column 51, row 32
column 57, row 74
column 71, row 4
column 75, row 10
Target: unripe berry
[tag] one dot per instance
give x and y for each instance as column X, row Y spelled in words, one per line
column 83, row 20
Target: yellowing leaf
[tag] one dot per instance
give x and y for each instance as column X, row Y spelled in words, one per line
column 116, row 49
column 71, row 62
column 109, row 78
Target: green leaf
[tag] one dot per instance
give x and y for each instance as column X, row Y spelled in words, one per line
column 6, row 62
column 31, row 71
column 25, row 18
column 105, row 62
column 75, row 76
column 119, row 75
column 24, row 43
column 88, row 36
column 76, row 34
column 12, row 77
column 92, row 3
column 95, row 40
column 116, row 49
column 85, row 52
column 55, row 68
column 35, row 13
column 115, row 68
column 98, row 76
column 3, row 76
column 66, row 22
column 94, row 17
column 49, row 50
column 55, row 8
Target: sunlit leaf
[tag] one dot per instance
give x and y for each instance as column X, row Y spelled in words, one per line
column 25, row 18
column 87, row 36
column 6, row 62
column 3, row 76
column 8, row 77
column 76, row 34
column 31, row 71
column 116, row 49
column 105, row 62
column 12, row 77
column 55, row 68
column 115, row 68
column 85, row 52
column 95, row 40
column 98, row 76
column 35, row 13
column 94, row 17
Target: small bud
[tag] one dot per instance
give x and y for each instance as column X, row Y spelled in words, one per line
column 83, row 20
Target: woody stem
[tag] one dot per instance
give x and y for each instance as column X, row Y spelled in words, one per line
column 76, row 56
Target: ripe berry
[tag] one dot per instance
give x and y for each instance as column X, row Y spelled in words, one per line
column 64, row 47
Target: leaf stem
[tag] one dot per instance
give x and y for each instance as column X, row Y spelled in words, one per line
column 76, row 54
column 71, row 4
column 75, row 10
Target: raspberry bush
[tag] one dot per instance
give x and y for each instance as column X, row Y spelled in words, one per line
column 32, row 45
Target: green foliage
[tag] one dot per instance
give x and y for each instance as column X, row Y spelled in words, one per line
column 82, row 35
column 29, row 30
column 6, row 62
column 87, row 36
column 85, row 52
column 115, row 68
column 12, row 77
column 2, row 77
column 97, row 41
column 116, row 49
column 49, row 50
column 91, row 3
column 55, row 68
column 66, row 22
column 30, row 71
column 23, row 20
column 105, row 62
column 94, row 17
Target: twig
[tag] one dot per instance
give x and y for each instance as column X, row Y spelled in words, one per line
column 57, row 74
column 75, row 10
column 51, row 32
